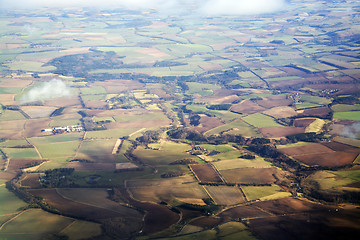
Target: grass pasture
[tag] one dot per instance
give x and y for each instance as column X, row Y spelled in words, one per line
column 97, row 150
column 81, row 230
column 110, row 133
column 249, row 175
column 205, row 173
column 9, row 202
column 241, row 163
column 168, row 152
column 259, row 120
column 328, row 179
column 29, row 153
column 56, row 150
column 345, row 107
column 263, row 192
column 9, row 115
column 236, row 127
column 171, row 190
column 34, row 224
column 352, row 115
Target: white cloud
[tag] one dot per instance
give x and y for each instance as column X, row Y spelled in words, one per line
column 241, row 7
column 47, row 90
column 131, row 4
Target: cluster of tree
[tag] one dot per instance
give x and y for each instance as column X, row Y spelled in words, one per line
column 57, row 112
column 219, row 107
column 274, row 156
column 23, row 146
column 172, row 174
column 313, row 190
column 79, row 64
column 2, row 155
column 260, row 141
column 193, row 135
column 209, row 209
column 194, row 119
column 184, row 161
column 168, row 64
column 58, row 177
column 305, row 137
column 185, row 133
column 149, row 137
column 247, row 156
column 350, row 100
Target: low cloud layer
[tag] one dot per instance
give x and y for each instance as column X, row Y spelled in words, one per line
column 352, row 131
column 242, row 7
column 206, row 7
column 47, row 90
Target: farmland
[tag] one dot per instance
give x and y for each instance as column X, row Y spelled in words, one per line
column 181, row 121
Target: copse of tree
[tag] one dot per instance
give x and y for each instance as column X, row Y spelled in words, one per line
column 260, row 141
column 219, row 107
column 305, row 137
column 149, row 137
column 184, row 133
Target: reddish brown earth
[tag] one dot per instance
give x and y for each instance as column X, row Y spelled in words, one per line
column 249, row 175
column 17, row 164
column 274, row 101
column 31, row 180
column 84, row 166
column 207, row 123
column 334, row 159
column 315, row 148
column 243, row 212
column 246, row 107
column 276, row 132
column 324, row 225
column 303, row 122
column 206, row 222
column 158, row 217
column 76, row 209
column 205, row 173
column 341, row 147
column 321, row 155
column 321, row 112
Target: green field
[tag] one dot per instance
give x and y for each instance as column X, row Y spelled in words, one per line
column 345, row 107
column 236, row 127
column 9, row 115
column 9, row 202
column 58, row 162
column 203, row 89
column 353, row 115
column 147, row 116
column 10, row 90
column 57, row 138
column 21, row 153
column 259, row 120
column 315, row 99
column 217, row 148
column 55, row 150
column 82, row 230
column 261, row 192
column 306, row 105
column 241, row 163
column 97, row 150
column 93, row 90
column 34, row 224
column 110, row 133
column 14, row 143
column 330, row 180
